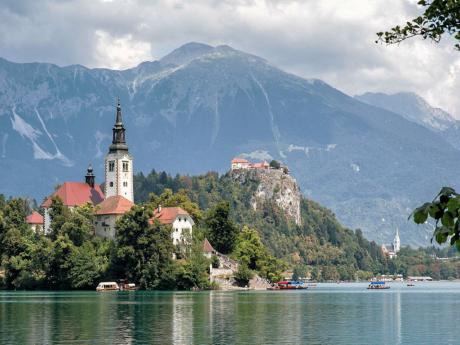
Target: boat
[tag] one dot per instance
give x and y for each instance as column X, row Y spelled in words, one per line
column 410, row 284
column 125, row 286
column 107, row 286
column 377, row 286
column 288, row 285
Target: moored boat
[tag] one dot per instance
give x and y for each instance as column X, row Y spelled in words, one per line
column 107, row 286
column 125, row 286
column 288, row 285
column 377, row 286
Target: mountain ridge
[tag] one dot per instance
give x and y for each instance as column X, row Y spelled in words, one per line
column 195, row 117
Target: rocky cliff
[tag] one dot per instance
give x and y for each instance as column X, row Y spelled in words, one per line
column 273, row 184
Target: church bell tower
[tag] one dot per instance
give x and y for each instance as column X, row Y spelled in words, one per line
column 119, row 163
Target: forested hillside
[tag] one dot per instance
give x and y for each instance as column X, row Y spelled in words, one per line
column 320, row 245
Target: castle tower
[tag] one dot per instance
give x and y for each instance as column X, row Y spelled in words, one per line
column 119, row 163
column 396, row 242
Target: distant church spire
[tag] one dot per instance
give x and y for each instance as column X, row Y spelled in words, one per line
column 118, row 138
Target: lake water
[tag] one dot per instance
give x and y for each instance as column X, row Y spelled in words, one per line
column 428, row 313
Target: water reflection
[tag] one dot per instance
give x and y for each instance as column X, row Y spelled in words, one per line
column 327, row 315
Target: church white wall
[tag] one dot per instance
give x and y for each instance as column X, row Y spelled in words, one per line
column 46, row 221
column 118, row 181
column 104, row 225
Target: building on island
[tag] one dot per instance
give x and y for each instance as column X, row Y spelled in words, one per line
column 74, row 194
column 180, row 221
column 108, row 212
column 35, row 221
column 208, row 249
column 117, row 198
column 119, row 163
column 392, row 250
column 241, row 163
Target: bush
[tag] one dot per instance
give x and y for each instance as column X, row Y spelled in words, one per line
column 243, row 275
column 215, row 262
column 275, row 164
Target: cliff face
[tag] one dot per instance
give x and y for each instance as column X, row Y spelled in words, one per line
column 273, row 185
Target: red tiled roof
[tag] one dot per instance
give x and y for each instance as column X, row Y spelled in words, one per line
column 34, row 218
column 77, row 194
column 167, row 215
column 260, row 165
column 114, row 205
column 239, row 160
column 207, row 247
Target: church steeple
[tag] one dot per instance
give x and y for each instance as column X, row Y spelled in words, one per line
column 119, row 163
column 118, row 136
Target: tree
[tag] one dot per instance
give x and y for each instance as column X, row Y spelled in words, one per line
column 222, row 233
column 275, row 164
column 144, row 250
column 243, row 275
column 179, row 199
column 440, row 17
column 78, row 224
column 58, row 216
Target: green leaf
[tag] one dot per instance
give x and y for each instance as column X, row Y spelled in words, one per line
column 421, row 213
column 447, row 219
column 453, row 205
column 440, row 234
column 447, row 191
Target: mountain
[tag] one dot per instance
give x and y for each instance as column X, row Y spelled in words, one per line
column 198, row 107
column 414, row 108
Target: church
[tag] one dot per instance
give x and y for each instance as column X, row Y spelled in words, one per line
column 116, row 195
column 392, row 250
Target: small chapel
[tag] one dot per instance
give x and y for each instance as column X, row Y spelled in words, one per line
column 116, row 195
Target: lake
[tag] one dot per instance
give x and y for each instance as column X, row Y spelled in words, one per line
column 328, row 314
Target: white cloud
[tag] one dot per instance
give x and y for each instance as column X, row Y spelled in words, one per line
column 120, row 52
column 329, row 39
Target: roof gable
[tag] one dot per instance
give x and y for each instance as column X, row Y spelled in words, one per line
column 34, row 218
column 114, row 205
column 167, row 215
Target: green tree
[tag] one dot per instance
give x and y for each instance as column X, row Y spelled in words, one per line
column 275, row 164
column 243, row 275
column 79, row 224
column 144, row 250
column 440, row 17
column 222, row 232
column 88, row 263
column 179, row 199
column 58, row 216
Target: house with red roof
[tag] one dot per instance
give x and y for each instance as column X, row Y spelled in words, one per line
column 243, row 164
column 74, row 194
column 108, row 212
column 240, row 163
column 180, row 221
column 35, row 221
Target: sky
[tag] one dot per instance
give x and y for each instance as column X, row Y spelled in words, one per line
column 333, row 40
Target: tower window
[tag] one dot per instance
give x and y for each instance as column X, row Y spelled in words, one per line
column 125, row 166
column 111, row 165
column 111, row 184
column 125, row 184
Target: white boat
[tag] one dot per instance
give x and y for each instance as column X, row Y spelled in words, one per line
column 107, row 286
